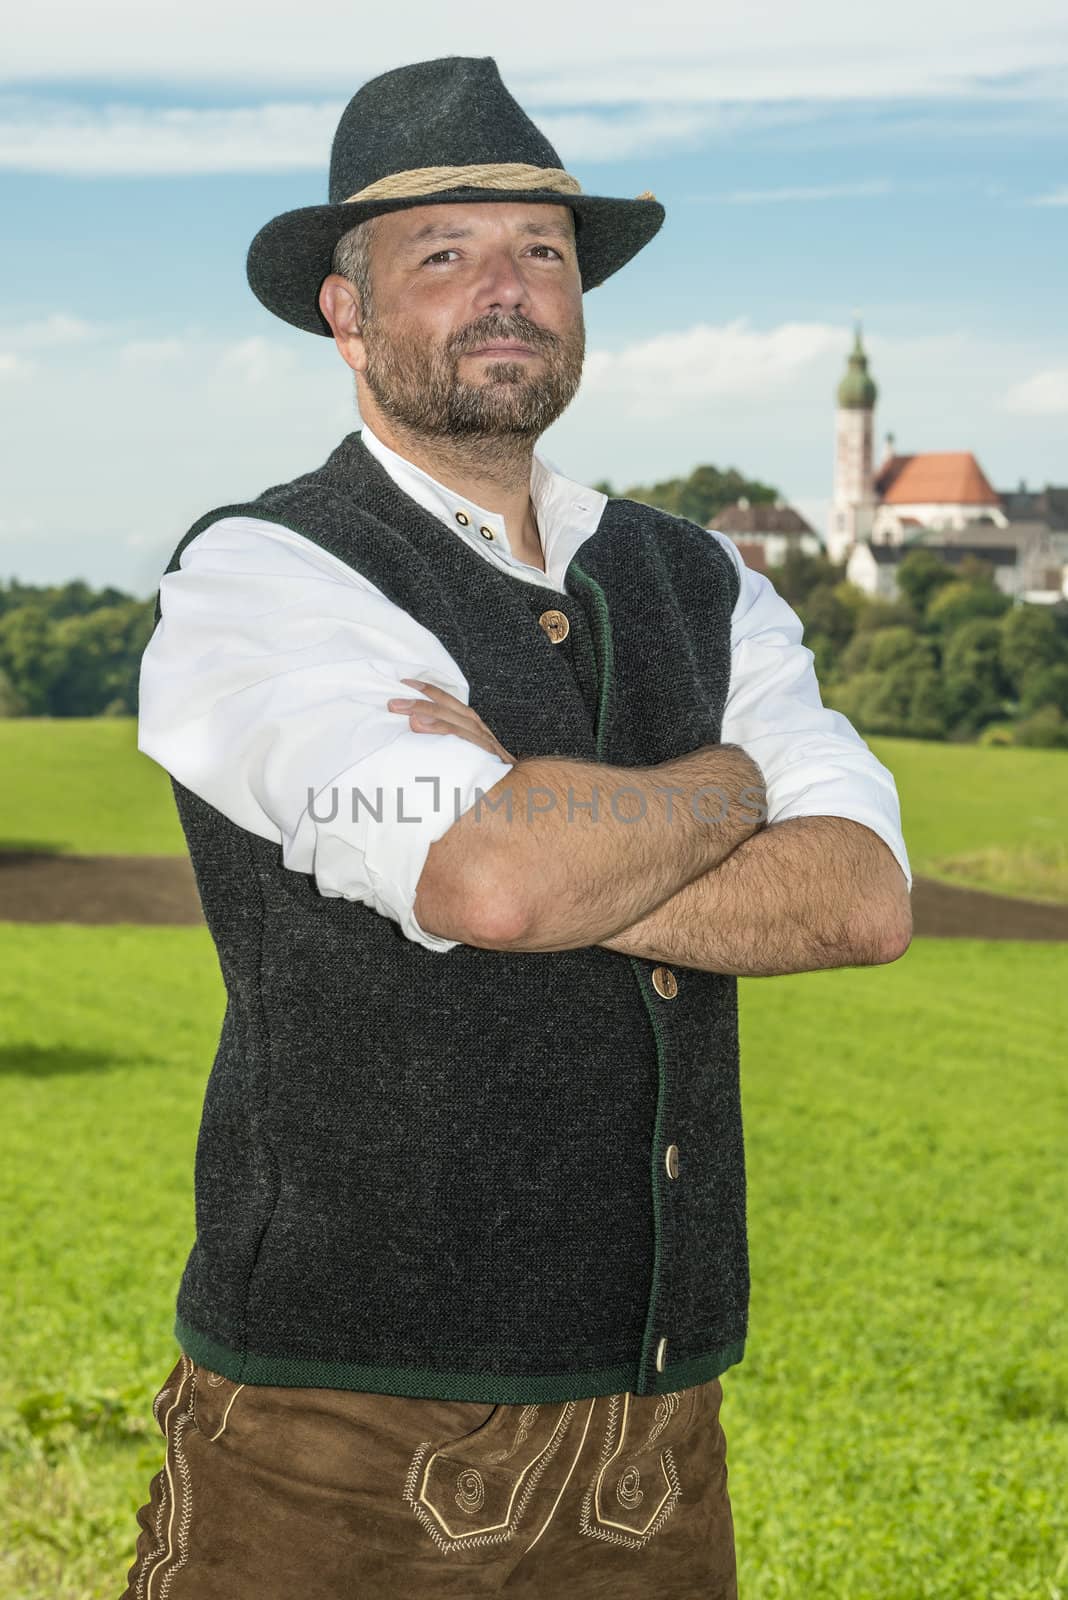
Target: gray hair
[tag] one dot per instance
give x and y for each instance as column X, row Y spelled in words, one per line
column 352, row 259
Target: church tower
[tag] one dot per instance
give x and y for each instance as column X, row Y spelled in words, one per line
column 853, row 507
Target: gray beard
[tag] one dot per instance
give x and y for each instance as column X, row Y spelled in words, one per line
column 419, row 389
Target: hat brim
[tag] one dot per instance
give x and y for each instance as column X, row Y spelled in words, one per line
column 292, row 254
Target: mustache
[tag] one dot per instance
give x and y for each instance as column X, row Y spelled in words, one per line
column 523, row 333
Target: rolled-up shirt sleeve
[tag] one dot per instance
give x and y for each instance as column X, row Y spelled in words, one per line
column 815, row 763
column 264, row 690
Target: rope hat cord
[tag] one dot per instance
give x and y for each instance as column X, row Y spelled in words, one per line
column 479, row 175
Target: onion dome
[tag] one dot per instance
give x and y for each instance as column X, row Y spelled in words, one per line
column 857, row 391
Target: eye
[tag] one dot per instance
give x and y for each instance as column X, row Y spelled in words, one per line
column 446, row 252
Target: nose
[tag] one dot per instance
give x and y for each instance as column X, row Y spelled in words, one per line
column 505, row 287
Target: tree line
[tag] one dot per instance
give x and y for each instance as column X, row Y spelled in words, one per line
column 67, row 650
column 952, row 657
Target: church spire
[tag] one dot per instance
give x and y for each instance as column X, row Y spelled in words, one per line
column 855, row 499
column 857, row 391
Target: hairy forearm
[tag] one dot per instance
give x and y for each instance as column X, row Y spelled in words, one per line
column 800, row 895
column 563, row 853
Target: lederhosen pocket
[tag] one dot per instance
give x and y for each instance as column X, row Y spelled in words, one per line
column 635, row 1486
column 475, row 1491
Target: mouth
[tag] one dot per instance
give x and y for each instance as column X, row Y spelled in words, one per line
column 503, row 350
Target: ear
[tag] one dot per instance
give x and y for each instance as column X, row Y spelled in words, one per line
column 339, row 302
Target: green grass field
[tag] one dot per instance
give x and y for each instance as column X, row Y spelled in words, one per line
column 992, row 819
column 80, row 786
column 986, row 818
column 899, row 1426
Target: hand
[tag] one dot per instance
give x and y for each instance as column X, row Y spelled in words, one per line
column 444, row 713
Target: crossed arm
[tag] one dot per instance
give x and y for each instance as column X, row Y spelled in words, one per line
column 802, row 894
column 791, row 896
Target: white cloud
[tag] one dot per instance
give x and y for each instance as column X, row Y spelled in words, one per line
column 672, row 372
column 57, row 136
column 153, row 431
column 257, row 360
column 15, row 366
column 58, row 329
column 1043, row 395
column 629, row 84
column 674, row 52
column 826, row 191
column 1057, row 197
column 120, row 139
column 588, row 136
column 151, row 352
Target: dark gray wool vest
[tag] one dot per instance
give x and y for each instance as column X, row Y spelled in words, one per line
column 450, row 1174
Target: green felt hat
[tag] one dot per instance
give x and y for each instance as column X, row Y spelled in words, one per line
column 426, row 134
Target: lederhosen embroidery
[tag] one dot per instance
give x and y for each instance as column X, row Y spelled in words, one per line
column 636, row 1487
column 475, row 1492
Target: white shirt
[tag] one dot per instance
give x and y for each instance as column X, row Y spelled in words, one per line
column 267, row 676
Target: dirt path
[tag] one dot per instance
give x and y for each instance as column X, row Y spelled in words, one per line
column 943, row 911
column 37, row 887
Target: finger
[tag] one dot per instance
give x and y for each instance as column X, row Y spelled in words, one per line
column 443, row 721
column 433, row 692
column 459, row 708
column 457, row 717
column 456, row 713
column 473, row 735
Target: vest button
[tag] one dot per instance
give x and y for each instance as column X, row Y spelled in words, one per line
column 661, row 1355
column 555, row 624
column 487, row 533
column 664, row 982
column 671, row 1160
column 463, row 519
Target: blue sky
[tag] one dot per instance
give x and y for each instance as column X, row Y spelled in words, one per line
column 911, row 168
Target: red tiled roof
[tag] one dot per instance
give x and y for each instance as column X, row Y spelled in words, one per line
column 946, row 477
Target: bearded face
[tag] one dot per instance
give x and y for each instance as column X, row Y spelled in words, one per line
column 440, row 388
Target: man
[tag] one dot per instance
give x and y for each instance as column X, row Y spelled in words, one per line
column 492, row 786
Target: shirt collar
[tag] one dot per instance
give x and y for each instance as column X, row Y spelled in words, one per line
column 567, row 512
